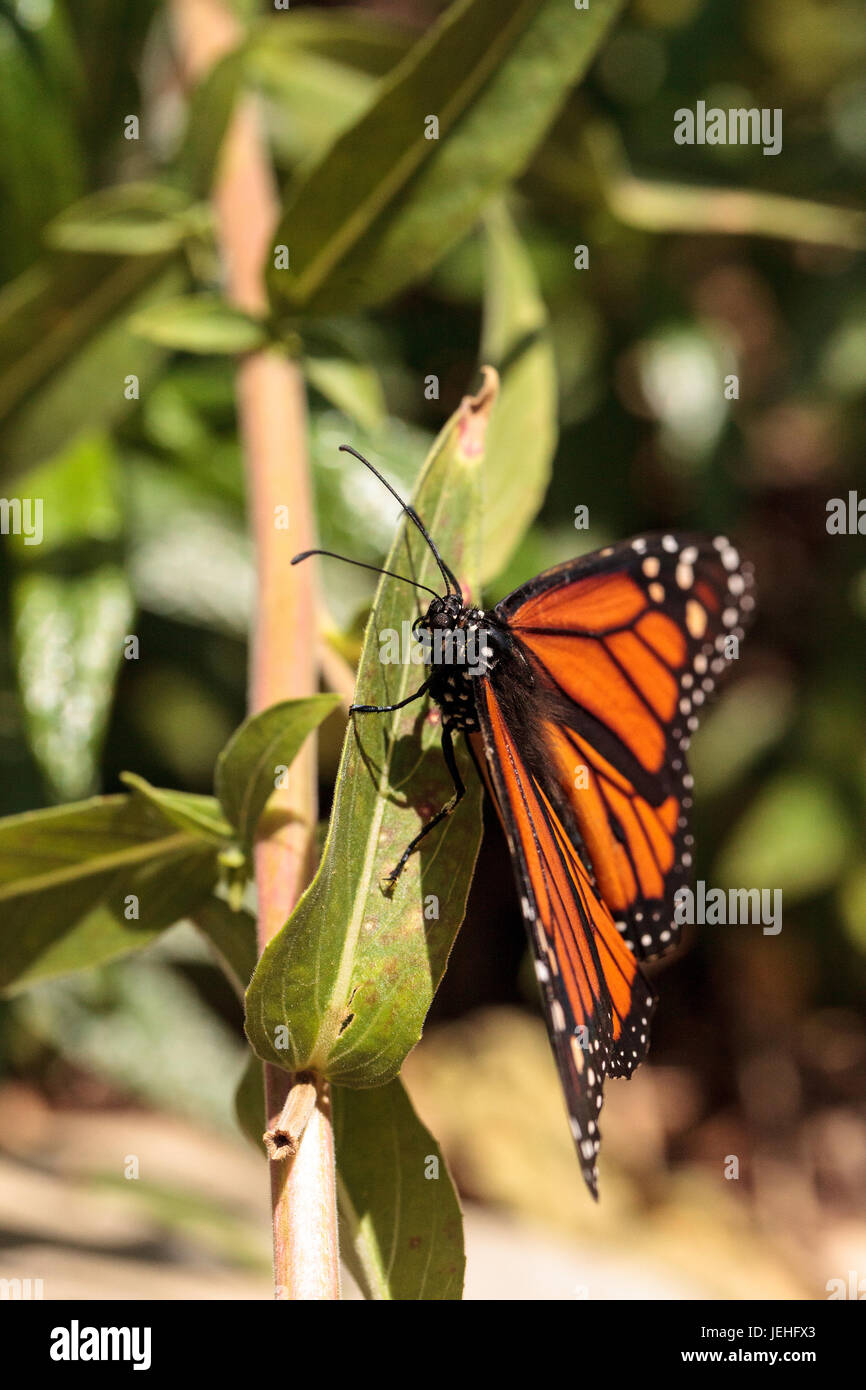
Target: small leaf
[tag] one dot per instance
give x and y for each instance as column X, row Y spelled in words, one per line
column 200, row 815
column 71, row 609
column 353, row 387
column 750, row 719
column 79, row 491
column 315, row 68
column 233, row 937
column 852, row 905
column 248, row 767
column 401, row 1229
column 386, row 201
column 523, row 429
column 250, row 1103
column 343, row 498
column 659, row 206
column 69, row 642
column 211, row 108
column 200, row 323
column 133, row 219
column 360, row 41
column 794, row 837
column 345, row 987
column 84, row 883
column 309, row 99
column 46, row 156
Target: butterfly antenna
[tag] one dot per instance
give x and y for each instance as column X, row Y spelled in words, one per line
column 447, row 574
column 305, row 555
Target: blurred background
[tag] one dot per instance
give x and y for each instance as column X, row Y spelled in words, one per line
column 734, row 1163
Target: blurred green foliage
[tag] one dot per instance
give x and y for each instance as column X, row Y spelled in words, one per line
column 704, row 262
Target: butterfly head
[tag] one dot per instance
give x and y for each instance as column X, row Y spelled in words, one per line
column 443, row 615
column 461, row 642
column 450, row 615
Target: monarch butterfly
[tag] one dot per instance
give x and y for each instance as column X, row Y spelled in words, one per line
column 578, row 699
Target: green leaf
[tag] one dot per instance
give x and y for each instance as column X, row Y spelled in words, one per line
column 659, row 206
column 250, row 1103
column 250, row 765
column 133, row 219
column 795, row 836
column 71, row 610
column 350, row 978
column 385, row 202
column 401, row 1229
column 852, row 905
column 315, row 71
column 750, row 719
column 308, row 99
column 353, row 387
column 343, row 497
column 350, row 38
column 70, row 876
column 200, row 323
column 200, row 815
column 79, row 494
column 210, row 110
column 233, row 937
column 523, row 430
column 69, row 643
column 43, row 158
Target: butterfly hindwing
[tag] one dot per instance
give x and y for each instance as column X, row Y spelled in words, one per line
column 597, row 1003
column 625, row 646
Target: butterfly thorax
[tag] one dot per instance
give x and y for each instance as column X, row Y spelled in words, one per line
column 463, row 644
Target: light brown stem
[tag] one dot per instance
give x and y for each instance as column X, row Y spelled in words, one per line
column 272, row 418
column 284, row 1139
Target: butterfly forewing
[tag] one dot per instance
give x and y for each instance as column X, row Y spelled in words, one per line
column 626, row 645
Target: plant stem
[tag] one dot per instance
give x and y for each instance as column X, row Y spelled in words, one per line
column 282, row 1141
column 272, row 418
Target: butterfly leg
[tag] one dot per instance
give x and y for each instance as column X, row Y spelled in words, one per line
column 459, row 793
column 386, row 709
